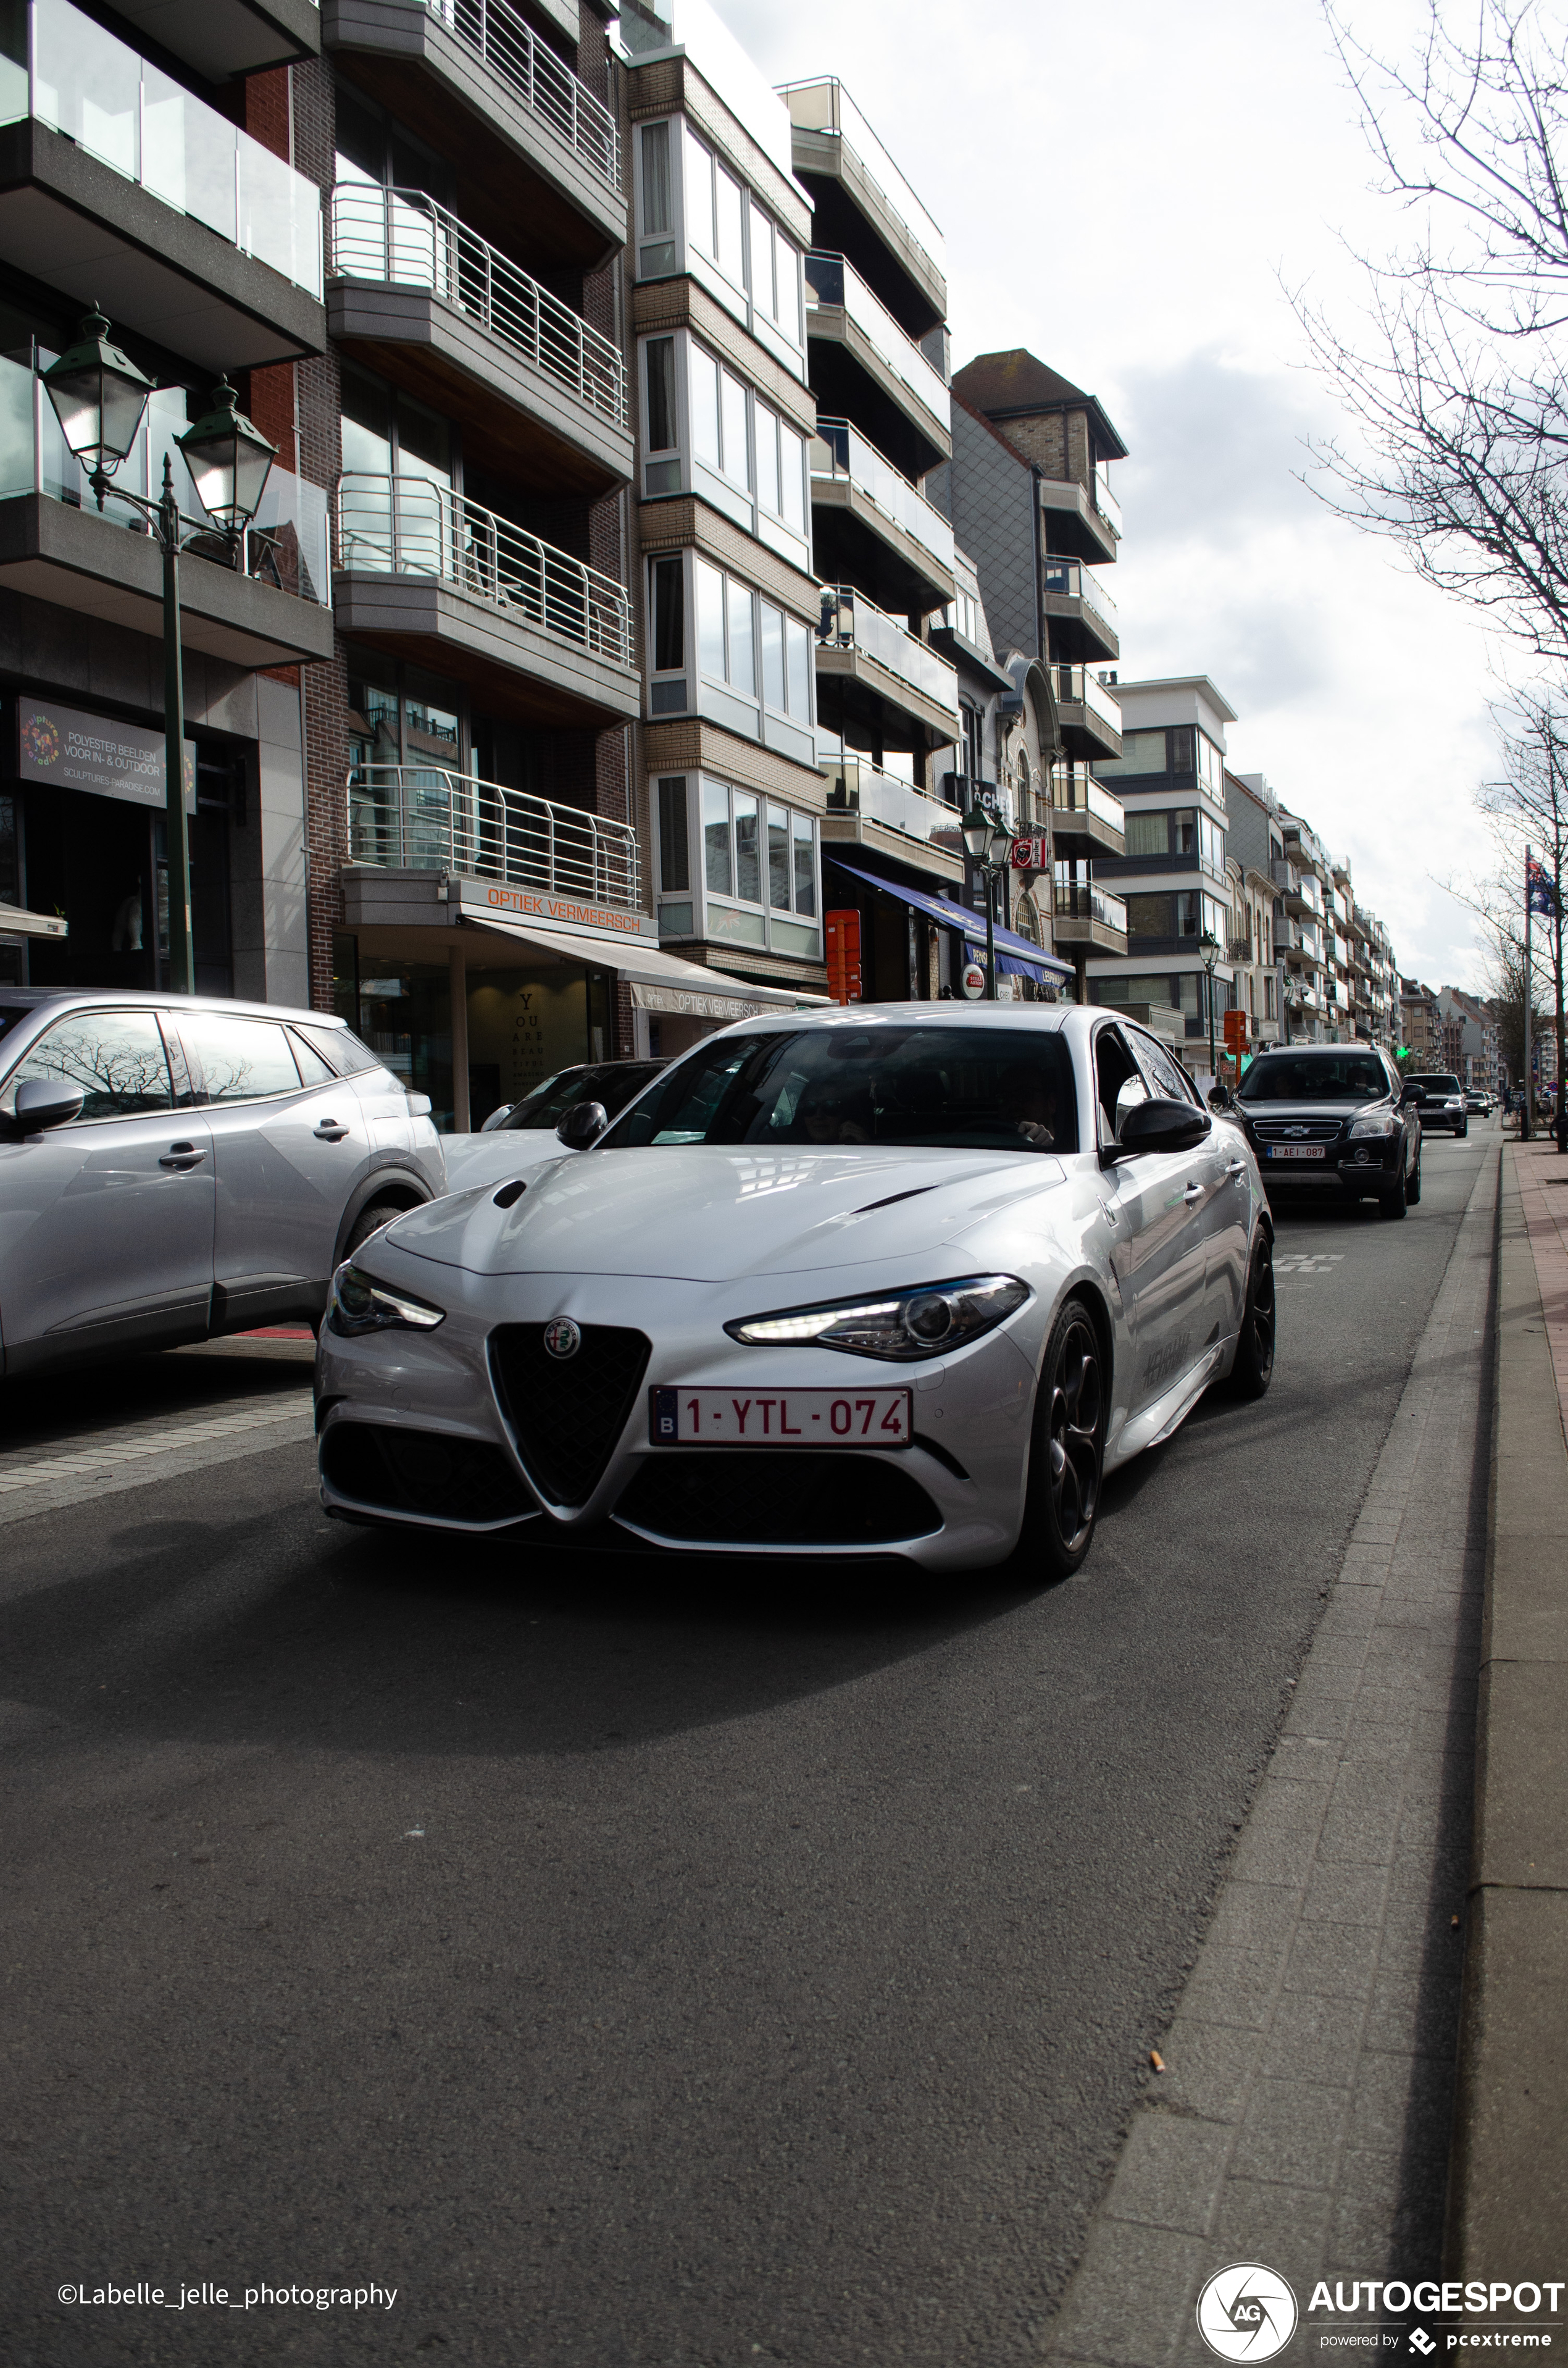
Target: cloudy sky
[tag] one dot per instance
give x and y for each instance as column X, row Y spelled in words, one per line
column 1122, row 188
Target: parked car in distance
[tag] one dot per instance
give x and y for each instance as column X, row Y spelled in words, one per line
column 899, row 1279
column 521, row 1133
column 1479, row 1104
column 1330, row 1118
column 1438, row 1100
column 175, row 1166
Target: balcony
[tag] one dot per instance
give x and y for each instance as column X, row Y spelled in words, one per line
column 1077, row 525
column 1079, row 611
column 879, row 809
column 425, row 818
column 224, row 38
column 864, row 366
column 428, row 576
column 1089, row 917
column 1086, row 821
column 862, row 199
column 1089, row 714
column 115, row 181
column 426, row 300
column 868, row 521
column 472, row 78
column 878, row 664
column 271, row 610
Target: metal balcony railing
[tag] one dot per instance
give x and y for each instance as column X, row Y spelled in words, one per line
column 401, row 238
column 1082, row 900
column 1081, row 687
column 414, row 526
column 850, row 622
column 1070, row 579
column 831, row 280
column 839, row 450
column 495, row 33
column 427, row 818
column 1075, row 790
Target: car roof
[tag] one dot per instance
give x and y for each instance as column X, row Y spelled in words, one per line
column 33, row 999
column 1048, row 1017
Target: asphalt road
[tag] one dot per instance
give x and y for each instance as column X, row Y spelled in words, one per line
column 630, row 1965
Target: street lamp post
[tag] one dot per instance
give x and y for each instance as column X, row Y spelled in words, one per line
column 989, row 841
column 1209, row 947
column 100, row 398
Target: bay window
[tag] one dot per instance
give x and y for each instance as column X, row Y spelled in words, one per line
column 744, row 662
column 736, row 867
column 695, row 214
column 706, row 431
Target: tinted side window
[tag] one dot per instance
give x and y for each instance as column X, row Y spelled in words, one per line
column 1163, row 1075
column 117, row 1058
column 1117, row 1081
column 242, row 1060
column 314, row 1070
column 343, row 1049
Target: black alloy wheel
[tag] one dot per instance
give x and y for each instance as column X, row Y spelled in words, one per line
column 1068, row 1443
column 1253, row 1368
column 1392, row 1204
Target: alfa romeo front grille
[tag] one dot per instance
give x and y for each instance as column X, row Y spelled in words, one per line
column 391, row 1470
column 566, row 1412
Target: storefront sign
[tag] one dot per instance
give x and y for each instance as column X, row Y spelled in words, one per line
column 565, row 912
column 973, row 981
column 72, row 751
column 689, row 1003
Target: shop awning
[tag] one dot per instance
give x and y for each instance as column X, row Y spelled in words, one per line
column 640, row 962
column 1015, row 955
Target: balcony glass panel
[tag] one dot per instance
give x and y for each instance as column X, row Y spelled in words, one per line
column 425, row 818
column 402, row 238
column 1083, row 900
column 123, row 110
column 850, row 622
column 1069, row 579
column 839, row 450
column 1074, row 789
column 1081, row 687
column 827, row 107
column 1105, row 501
column 831, row 280
column 286, row 543
column 497, row 34
column 862, row 789
column 416, row 526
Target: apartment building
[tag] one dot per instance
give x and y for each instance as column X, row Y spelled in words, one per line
column 1029, row 493
column 1421, row 1025
column 1471, row 1034
column 1254, row 845
column 1170, row 779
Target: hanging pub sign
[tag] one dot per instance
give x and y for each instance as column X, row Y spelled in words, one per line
column 1031, row 854
column 68, row 750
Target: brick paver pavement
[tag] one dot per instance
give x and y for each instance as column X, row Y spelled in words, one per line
column 1542, row 1173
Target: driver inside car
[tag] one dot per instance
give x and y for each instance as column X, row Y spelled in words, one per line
column 1029, row 1104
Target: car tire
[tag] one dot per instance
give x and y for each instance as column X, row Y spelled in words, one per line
column 371, row 1221
column 1254, row 1367
column 1392, row 1202
column 1066, row 1444
column 1464, row 1130
column 1412, row 1184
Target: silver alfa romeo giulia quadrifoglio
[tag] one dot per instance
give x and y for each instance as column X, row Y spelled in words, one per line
column 901, row 1280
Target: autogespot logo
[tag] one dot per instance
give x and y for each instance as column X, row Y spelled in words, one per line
column 1247, row 2312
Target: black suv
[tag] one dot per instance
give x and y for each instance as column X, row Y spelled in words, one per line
column 1440, row 1100
column 1331, row 1116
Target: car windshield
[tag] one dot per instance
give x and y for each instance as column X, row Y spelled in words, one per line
column 1314, row 1078
column 959, row 1088
column 1438, row 1086
column 613, row 1085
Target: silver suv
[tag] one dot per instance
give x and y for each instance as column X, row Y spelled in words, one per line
column 176, row 1166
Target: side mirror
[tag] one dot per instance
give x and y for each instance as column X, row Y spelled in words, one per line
column 47, row 1101
column 1219, row 1098
column 583, row 1124
column 1408, row 1098
column 1163, row 1126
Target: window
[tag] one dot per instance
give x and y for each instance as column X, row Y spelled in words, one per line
column 117, row 1058
column 1141, row 752
column 669, row 615
column 700, row 223
column 974, row 724
column 710, row 658
column 675, row 857
column 1148, row 834
column 735, row 457
column 696, row 215
column 761, row 856
column 1183, row 832
column 751, row 647
column 242, row 1060
column 741, row 611
column 718, row 852
column 723, row 442
column 704, row 378
column 313, row 1070
column 1162, row 1073
column 1149, row 916
column 662, row 431
column 658, row 252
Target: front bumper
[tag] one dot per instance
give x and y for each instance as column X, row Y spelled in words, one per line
column 413, row 1427
column 1350, row 1170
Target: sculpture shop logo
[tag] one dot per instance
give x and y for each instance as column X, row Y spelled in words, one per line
column 1247, row 2312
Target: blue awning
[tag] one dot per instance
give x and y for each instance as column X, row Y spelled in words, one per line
column 1016, row 956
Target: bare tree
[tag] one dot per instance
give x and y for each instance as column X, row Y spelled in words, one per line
column 1528, row 809
column 1459, row 403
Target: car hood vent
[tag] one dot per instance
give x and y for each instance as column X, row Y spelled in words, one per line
column 566, row 1414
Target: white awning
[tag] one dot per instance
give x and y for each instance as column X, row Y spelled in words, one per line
column 641, row 960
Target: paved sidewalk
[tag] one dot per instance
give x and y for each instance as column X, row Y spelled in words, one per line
column 1302, row 2119
column 1541, row 1173
column 131, row 1455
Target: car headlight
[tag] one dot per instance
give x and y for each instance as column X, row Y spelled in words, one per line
column 903, row 1325
column 1384, row 1125
column 361, row 1304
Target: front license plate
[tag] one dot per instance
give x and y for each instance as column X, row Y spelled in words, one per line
column 1295, row 1151
column 871, row 1418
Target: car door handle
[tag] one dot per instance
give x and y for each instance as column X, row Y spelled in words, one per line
column 1193, row 1192
column 329, row 1130
column 1234, row 1167
column 182, row 1155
